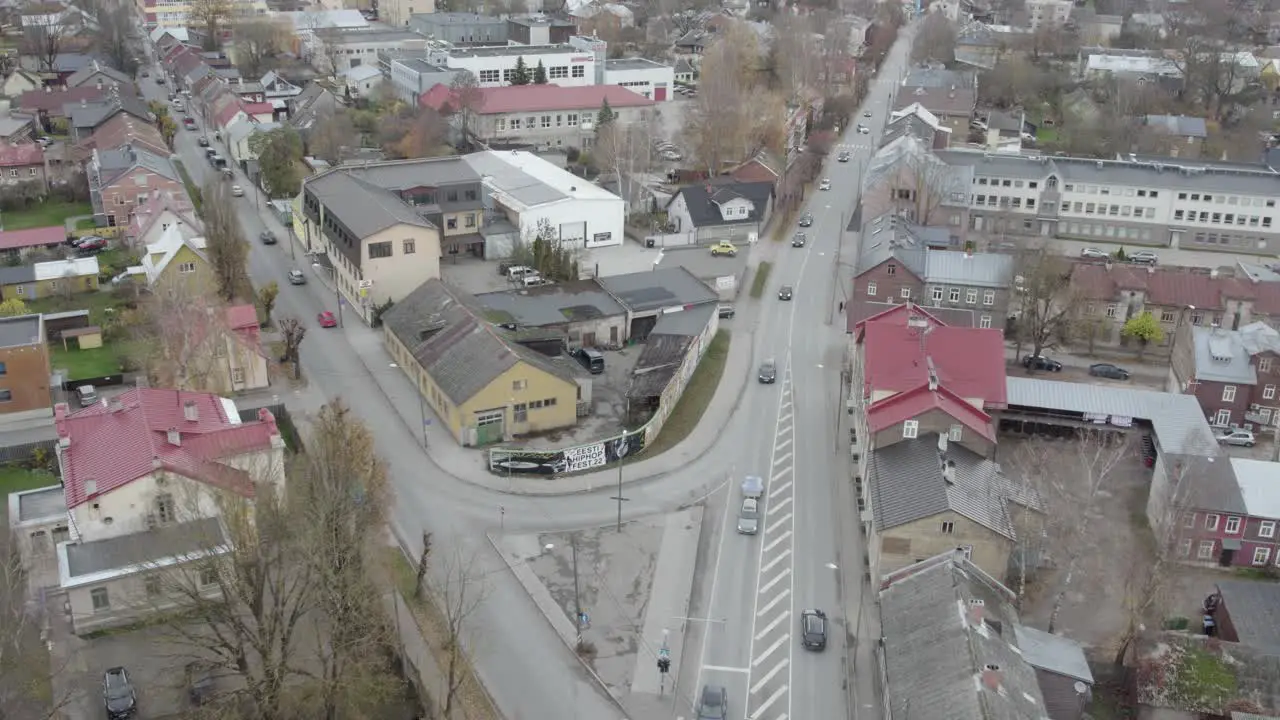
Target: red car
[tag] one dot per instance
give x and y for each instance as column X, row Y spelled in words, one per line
column 327, row 320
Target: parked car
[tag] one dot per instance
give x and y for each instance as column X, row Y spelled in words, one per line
column 768, row 372
column 866, row 113
column 806, row 220
column 1093, row 254
column 798, row 240
column 86, row 395
column 1041, row 362
column 76, row 242
column 189, row 123
column 713, row 703
column 237, row 191
column 327, row 320
column 844, row 156
column 864, row 130
column 813, row 629
column 297, row 278
column 118, row 694
column 200, row 682
column 202, row 141
column 1107, row 370
column 785, row 292
column 92, row 244
column 44, row 141
column 267, row 237
column 159, row 79
column 725, row 311
column 1239, row 437
column 591, row 359
column 749, row 517
column 825, row 184
column 724, row 247
column 1143, row 257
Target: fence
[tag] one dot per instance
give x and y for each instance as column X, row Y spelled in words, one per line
column 25, row 452
column 104, row 381
column 106, row 232
column 284, row 421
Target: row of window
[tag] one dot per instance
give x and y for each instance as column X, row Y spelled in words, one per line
column 555, row 72
column 1101, row 230
column 520, row 411
column 101, row 597
column 469, row 220
column 953, row 294
column 428, row 197
column 383, row 249
column 1261, row 556
column 1229, row 239
column 13, row 172
column 1223, row 218
column 533, row 121
column 1242, row 201
column 911, row 430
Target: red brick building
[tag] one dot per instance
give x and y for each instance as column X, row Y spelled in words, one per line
column 1234, row 374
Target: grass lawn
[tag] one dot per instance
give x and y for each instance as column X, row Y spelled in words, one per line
column 761, row 279
column 95, row 302
column 83, row 364
column 46, row 214
column 1047, row 135
column 193, row 191
column 696, row 397
column 16, row 479
column 86, row 224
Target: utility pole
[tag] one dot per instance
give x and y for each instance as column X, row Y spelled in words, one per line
column 577, row 598
column 624, row 442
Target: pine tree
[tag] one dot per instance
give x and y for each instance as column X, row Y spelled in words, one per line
column 520, row 76
column 606, row 115
column 540, row 74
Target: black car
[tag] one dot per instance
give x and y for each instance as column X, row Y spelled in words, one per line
column 785, row 292
column 202, row 141
column 806, row 220
column 713, row 703
column 1040, row 362
column 813, row 629
column 200, row 685
column 798, row 240
column 118, row 694
column 1107, row 370
column 843, row 156
column 267, row 237
column 725, row 311
column 768, row 372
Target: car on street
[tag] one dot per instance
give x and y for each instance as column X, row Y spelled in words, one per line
column 768, row 372
column 159, row 79
column 1107, row 370
column 725, row 310
column 1239, row 437
column 844, row 156
column 1041, row 362
column 864, row 130
column 713, row 703
column 866, row 114
column 825, row 184
column 724, row 247
column 327, row 320
column 189, row 123
column 202, row 141
column 1143, row 257
column 118, row 695
column 806, row 220
column 297, row 278
column 813, row 629
column 785, row 292
column 749, row 517
column 237, row 191
column 1093, row 254
column 267, row 237
column 200, row 682
column 798, row 240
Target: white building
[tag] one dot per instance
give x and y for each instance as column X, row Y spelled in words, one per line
column 1048, row 12
column 566, row 66
column 413, row 76
column 362, row 80
column 356, row 48
column 306, row 24
column 527, row 190
column 644, row 77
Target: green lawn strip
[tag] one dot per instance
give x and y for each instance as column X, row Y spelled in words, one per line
column 16, row 479
column 197, row 200
column 46, row 214
column 695, row 399
column 761, row 279
column 85, row 364
column 97, row 303
column 86, row 224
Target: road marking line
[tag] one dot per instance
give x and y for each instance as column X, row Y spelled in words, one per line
column 774, row 544
column 785, row 418
column 777, row 644
column 783, row 716
column 785, row 442
column 722, row 668
column 785, row 457
column 786, row 552
column 770, row 627
column 770, row 675
column 779, row 489
column 781, row 576
column 778, row 524
column 767, row 703
column 783, row 503
column 765, row 610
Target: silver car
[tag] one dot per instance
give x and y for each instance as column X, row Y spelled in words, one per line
column 749, row 517
column 1240, row 437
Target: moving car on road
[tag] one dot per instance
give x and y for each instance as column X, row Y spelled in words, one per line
column 724, row 247
column 753, row 486
column 237, row 191
column 749, row 517
column 118, row 694
column 825, row 184
column 189, row 123
column 1238, row 437
column 806, row 220
column 844, row 156
column 327, row 320
column 797, row 240
column 1093, row 254
column 813, row 629
column 785, row 292
column 713, row 703
column 202, row 141
column 297, row 278
column 864, row 130
column 267, row 237
column 866, row 113
column 768, row 372
column 725, row 311
column 1041, row 362
column 1107, row 370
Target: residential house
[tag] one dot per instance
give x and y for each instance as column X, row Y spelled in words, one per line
column 20, row 81
column 685, row 72
column 148, row 477
column 45, row 279
column 99, row 75
column 725, row 211
column 481, row 385
column 85, row 118
column 1177, row 136
column 276, row 90
column 122, row 129
column 64, row 65
column 1248, row 611
column 244, row 355
column 899, row 265
column 24, row 369
column 921, row 124
column 122, row 179
column 22, row 164
column 48, row 106
column 361, row 80
column 951, row 639
column 249, row 92
column 15, row 244
column 578, row 313
column 949, row 94
column 758, row 169
column 922, row 396
column 908, row 180
column 14, row 128
column 1244, row 677
column 1048, row 13
column 374, row 257
column 180, row 262
column 1232, row 373
column 310, row 105
column 240, row 140
column 161, row 211
column 596, row 17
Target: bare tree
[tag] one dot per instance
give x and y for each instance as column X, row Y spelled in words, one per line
column 424, row 559
column 466, row 100
column 1044, row 313
column 186, row 339
column 332, row 136
column 211, row 17
column 794, row 55
column 935, row 41
column 292, row 332
column 257, row 44
column 116, row 26
column 931, row 182
column 225, row 242
column 623, row 150
column 459, row 591
column 720, row 121
column 24, row 661
column 45, row 34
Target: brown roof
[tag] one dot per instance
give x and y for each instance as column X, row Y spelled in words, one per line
column 939, row 100
column 859, row 310
column 124, row 128
column 1173, row 286
column 52, row 101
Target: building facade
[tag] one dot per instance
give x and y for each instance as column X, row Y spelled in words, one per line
column 24, row 369
column 1234, row 374
column 460, row 28
column 565, row 65
column 123, row 178
column 650, row 79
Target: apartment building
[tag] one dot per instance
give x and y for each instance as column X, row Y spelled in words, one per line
column 1234, row 374
column 1178, row 204
column 123, row 178
column 461, row 28
column 906, row 179
column 950, row 95
column 566, row 66
column 1048, row 12
column 358, row 48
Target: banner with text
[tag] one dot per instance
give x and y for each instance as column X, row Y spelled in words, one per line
column 566, row 461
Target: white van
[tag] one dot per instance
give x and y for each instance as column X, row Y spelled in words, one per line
column 515, row 272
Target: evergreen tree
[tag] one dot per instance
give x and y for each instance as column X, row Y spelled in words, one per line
column 606, row 115
column 540, row 74
column 520, row 76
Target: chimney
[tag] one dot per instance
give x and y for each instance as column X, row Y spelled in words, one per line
column 175, row 437
column 991, row 676
column 191, row 411
column 949, row 471
column 90, row 488
column 84, row 102
column 115, row 404
column 977, row 612
column 1214, row 273
column 60, row 421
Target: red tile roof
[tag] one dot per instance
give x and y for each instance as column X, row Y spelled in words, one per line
column 20, row 155
column 240, row 317
column 53, row 101
column 538, row 98
column 969, row 362
column 112, row 447
column 913, row 403
column 875, row 311
column 261, row 108
column 1172, row 287
column 32, row 237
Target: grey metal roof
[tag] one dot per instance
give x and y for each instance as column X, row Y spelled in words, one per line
column 632, row 64
column 376, row 35
column 1182, row 125
column 690, row 322
column 79, row 77
column 890, row 236
column 17, row 275
column 657, row 289
column 1176, row 174
column 512, row 181
column 951, row 183
column 20, row 330
column 907, row 484
column 933, row 77
column 42, row 504
column 1053, row 653
column 550, row 304
column 1178, row 421
column 657, row 364
column 992, row 270
column 442, row 172
column 1220, row 356
column 1259, row 337
column 1254, row 607
column 119, row 553
column 461, row 352
column 935, row 655
column 363, row 207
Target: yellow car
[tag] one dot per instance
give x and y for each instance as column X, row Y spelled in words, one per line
column 724, row 248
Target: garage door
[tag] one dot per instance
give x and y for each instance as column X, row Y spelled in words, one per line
column 659, row 94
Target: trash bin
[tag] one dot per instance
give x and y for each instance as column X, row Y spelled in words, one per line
column 648, row 242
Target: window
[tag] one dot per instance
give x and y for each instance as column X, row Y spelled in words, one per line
column 937, row 295
column 546, row 121
column 237, row 375
column 186, row 268
column 490, row 76
column 1229, row 393
column 101, row 601
column 208, row 576
column 500, row 124
column 1264, row 365
column 948, row 527
column 579, row 71
column 905, row 292
column 984, row 322
column 890, row 269
column 1206, row 550
column 955, row 433
column 1233, row 525
column 1189, row 520
column 6, row 395
column 910, row 429
column 380, row 250
column 520, row 413
column 1211, row 522
column 1269, row 392
column 1111, row 310
column 522, row 384
column 1267, row 528
column 165, row 511
column 871, row 289
column 955, row 295
column 531, row 122
column 1261, row 555
column 971, row 296
column 1166, row 316
column 508, row 74
column 558, row 71
column 409, row 247
column 1184, row 547
column 151, row 584
column 989, row 297
column 571, row 119
column 469, row 220
column 4, row 369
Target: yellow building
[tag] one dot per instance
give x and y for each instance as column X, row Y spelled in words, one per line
column 178, row 262
column 482, row 386
column 47, row 279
